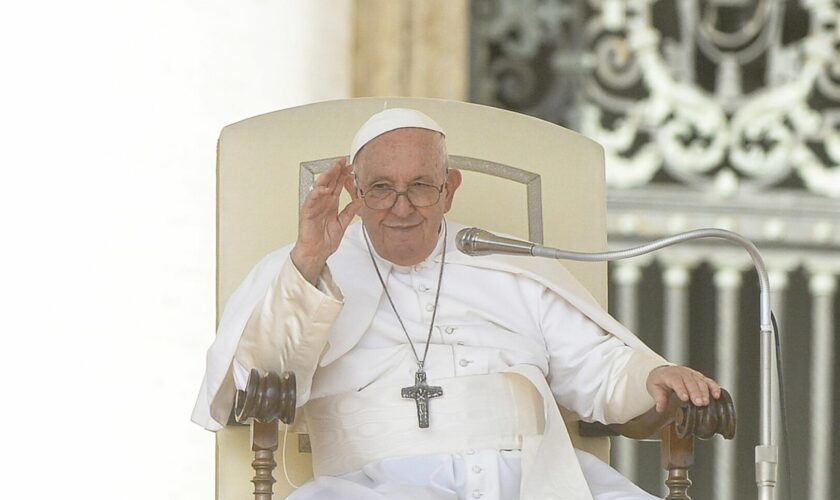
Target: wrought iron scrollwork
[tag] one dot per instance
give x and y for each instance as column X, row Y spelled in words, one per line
column 717, row 95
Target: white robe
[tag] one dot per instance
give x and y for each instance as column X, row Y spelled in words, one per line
column 488, row 320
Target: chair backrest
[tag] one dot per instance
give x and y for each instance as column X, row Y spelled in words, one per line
column 522, row 176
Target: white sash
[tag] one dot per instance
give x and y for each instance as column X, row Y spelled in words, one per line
column 510, row 410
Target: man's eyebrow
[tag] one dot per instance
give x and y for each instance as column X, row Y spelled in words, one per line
column 380, row 179
column 427, row 179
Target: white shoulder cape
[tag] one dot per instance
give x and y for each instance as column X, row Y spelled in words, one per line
column 360, row 304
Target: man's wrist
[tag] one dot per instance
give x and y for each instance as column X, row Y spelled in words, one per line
column 308, row 267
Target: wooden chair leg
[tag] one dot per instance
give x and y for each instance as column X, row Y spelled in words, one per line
column 264, row 438
column 677, row 458
column 265, row 400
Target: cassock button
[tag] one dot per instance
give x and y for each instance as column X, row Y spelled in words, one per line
column 424, row 288
column 464, row 362
column 450, row 330
column 477, row 469
column 430, row 307
column 476, row 494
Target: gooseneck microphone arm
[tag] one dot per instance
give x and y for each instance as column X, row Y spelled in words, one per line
column 475, row 241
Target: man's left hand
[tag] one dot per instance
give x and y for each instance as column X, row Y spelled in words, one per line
column 684, row 382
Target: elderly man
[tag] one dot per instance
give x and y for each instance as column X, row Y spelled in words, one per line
column 424, row 373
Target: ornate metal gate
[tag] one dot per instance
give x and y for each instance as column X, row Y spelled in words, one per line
column 713, row 113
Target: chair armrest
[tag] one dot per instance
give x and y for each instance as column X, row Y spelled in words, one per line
column 689, row 421
column 676, row 427
column 267, row 398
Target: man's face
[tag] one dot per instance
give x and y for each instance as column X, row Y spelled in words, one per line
column 405, row 234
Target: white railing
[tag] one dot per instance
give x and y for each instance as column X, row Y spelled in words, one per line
column 689, row 281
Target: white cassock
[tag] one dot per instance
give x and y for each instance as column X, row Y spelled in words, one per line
column 508, row 342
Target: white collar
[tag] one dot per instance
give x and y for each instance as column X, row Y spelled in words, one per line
column 387, row 266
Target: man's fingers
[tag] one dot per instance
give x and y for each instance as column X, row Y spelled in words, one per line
column 669, row 379
column 350, row 211
column 679, row 388
column 697, row 388
column 350, row 186
column 660, row 396
column 341, row 180
column 714, row 387
column 687, row 384
column 322, row 200
column 318, row 200
column 331, row 176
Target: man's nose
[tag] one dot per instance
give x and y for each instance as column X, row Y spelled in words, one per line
column 402, row 206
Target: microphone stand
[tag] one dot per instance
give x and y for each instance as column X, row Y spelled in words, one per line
column 474, row 241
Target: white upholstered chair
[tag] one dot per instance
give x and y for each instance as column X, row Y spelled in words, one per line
column 522, row 176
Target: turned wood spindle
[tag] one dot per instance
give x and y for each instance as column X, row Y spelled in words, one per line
column 263, row 444
column 677, row 458
column 692, row 422
column 265, row 400
column 677, row 427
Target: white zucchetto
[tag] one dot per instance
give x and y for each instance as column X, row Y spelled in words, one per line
column 388, row 120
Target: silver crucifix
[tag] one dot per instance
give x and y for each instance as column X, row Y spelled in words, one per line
column 421, row 393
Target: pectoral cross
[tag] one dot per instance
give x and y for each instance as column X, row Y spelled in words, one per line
column 420, row 392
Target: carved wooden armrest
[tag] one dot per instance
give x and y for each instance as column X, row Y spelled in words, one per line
column 265, row 400
column 677, row 427
column 271, row 397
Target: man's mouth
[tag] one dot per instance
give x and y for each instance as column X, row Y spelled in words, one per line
column 402, row 227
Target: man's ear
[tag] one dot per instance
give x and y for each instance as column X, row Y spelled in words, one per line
column 453, row 180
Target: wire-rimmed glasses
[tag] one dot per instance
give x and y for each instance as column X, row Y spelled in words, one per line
column 419, row 194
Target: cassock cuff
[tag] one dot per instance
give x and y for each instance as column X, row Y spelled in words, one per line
column 631, row 396
column 326, row 284
column 289, row 328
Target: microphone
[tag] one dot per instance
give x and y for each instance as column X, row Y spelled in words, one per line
column 475, row 241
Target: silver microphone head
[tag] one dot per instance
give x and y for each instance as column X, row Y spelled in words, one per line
column 475, row 241
column 466, row 238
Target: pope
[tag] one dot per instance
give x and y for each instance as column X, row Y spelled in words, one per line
column 424, row 373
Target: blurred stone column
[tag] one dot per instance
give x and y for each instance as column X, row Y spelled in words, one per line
column 822, row 285
column 727, row 280
column 626, row 277
column 412, row 48
column 676, row 278
column 778, row 273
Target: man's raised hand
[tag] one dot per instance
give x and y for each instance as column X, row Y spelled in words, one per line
column 684, row 382
column 321, row 225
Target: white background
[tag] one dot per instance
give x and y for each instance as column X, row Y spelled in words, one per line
column 109, row 113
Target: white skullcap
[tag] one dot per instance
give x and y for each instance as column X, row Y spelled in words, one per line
column 388, row 120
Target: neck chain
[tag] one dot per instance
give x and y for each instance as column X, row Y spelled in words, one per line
column 420, row 392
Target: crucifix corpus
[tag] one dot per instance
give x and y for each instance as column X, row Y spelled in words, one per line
column 421, row 393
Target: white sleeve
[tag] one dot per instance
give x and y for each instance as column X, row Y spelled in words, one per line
column 591, row 372
column 289, row 328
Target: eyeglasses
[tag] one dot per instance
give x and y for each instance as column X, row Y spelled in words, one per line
column 420, row 195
